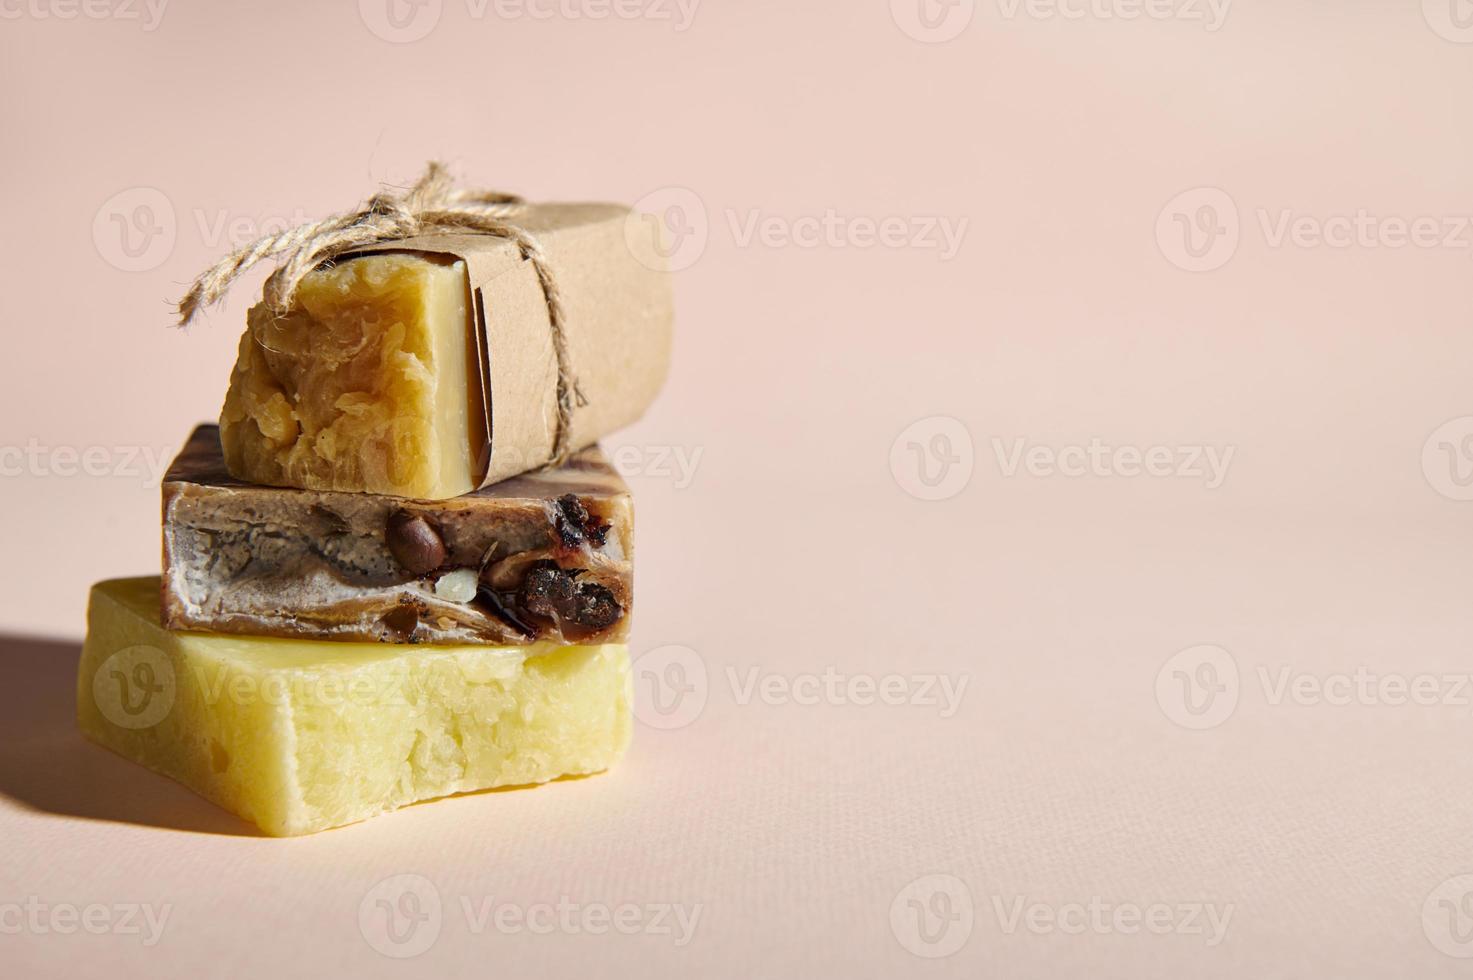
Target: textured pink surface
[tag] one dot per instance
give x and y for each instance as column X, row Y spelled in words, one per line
column 1334, row 549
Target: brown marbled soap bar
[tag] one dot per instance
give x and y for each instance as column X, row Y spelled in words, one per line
column 544, row 556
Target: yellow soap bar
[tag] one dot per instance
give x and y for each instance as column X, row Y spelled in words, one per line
column 298, row 736
column 364, row 386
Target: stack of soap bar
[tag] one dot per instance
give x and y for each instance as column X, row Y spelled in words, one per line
column 547, row 556
column 377, row 588
column 303, row 735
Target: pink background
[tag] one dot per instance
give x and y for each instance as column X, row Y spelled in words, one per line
column 1338, row 541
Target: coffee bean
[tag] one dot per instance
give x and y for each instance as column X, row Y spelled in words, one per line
column 556, row 594
column 574, row 524
column 414, row 543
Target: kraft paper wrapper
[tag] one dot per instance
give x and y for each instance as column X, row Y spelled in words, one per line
column 611, row 272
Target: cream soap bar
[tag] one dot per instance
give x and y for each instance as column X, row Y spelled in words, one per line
column 298, row 736
column 364, row 386
column 427, row 367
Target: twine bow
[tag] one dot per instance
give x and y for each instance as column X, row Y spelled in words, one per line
column 433, row 205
